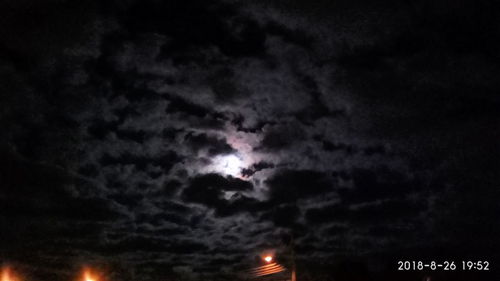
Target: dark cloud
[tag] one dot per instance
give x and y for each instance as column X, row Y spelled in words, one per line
column 195, row 24
column 283, row 215
column 213, row 185
column 224, row 87
column 212, row 144
column 255, row 168
column 148, row 244
column 174, row 207
column 165, row 161
column 289, row 185
column 239, row 120
column 379, row 183
column 209, row 190
column 170, row 188
column 48, row 205
column 380, row 212
column 100, row 128
column 159, row 219
column 238, row 203
column 280, row 137
column 365, row 132
column 329, row 146
column 177, row 104
column 34, row 190
column 131, row 200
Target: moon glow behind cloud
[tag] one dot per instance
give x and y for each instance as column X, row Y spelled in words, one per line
column 229, row 164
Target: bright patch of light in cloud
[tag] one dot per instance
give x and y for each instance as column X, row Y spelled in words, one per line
column 229, row 164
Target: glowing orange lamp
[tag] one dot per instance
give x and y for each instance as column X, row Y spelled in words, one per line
column 8, row 275
column 88, row 276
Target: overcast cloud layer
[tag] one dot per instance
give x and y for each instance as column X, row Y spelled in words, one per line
column 154, row 139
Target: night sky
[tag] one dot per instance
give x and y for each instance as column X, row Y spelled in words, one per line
column 180, row 140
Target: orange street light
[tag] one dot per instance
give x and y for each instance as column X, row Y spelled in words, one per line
column 88, row 276
column 268, row 259
column 8, row 275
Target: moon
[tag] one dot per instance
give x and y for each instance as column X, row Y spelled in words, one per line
column 229, row 164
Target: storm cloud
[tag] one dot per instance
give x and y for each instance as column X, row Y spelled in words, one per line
column 183, row 138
